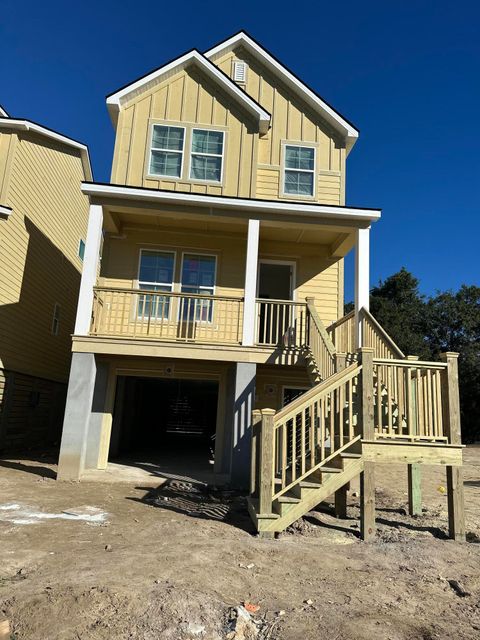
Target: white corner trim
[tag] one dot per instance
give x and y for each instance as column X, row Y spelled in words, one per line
column 362, row 279
column 89, row 271
column 352, row 214
column 5, row 212
column 3, row 113
column 250, row 287
column 27, row 125
column 334, row 118
column 115, row 100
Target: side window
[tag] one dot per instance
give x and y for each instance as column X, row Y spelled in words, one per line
column 299, row 170
column 155, row 274
column 55, row 329
column 206, row 158
column 81, row 249
column 166, row 151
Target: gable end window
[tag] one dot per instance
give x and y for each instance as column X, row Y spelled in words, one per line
column 299, row 170
column 166, row 151
column 206, row 159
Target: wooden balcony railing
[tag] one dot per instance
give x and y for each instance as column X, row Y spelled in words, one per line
column 281, row 323
column 374, row 335
column 319, row 343
column 160, row 315
column 409, row 400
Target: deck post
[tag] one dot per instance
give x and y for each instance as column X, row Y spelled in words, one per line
column 414, row 489
column 89, row 272
column 362, row 280
column 451, row 416
column 255, row 460
column 340, row 361
column 367, row 427
column 455, row 499
column 341, row 502
column 367, row 501
column 266, row 486
column 250, row 291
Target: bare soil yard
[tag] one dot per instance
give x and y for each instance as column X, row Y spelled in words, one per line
column 152, row 561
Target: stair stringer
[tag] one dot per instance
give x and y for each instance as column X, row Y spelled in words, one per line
column 312, row 498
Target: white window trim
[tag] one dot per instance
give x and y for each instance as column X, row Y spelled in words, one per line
column 161, row 284
column 151, row 148
column 209, row 255
column 211, row 155
column 305, row 145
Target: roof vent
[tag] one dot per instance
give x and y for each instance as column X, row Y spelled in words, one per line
column 240, row 71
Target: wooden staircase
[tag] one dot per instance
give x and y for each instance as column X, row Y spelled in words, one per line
column 305, row 495
column 319, row 442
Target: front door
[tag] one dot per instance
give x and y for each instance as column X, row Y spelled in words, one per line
column 275, row 289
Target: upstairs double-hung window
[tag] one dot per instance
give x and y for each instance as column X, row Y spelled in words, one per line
column 299, row 170
column 206, row 155
column 155, row 274
column 166, row 151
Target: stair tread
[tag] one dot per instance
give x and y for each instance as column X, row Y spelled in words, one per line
column 306, row 484
column 355, row 456
column 330, row 469
column 288, row 499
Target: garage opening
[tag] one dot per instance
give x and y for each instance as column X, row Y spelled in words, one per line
column 170, row 423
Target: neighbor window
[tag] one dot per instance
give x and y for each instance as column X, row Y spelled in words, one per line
column 166, row 151
column 299, row 170
column 206, row 155
column 81, row 250
column 155, row 274
column 198, row 277
column 56, row 320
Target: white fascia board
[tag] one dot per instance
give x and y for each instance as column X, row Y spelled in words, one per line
column 27, row 125
column 115, row 100
column 5, row 212
column 351, row 214
column 3, row 113
column 319, row 105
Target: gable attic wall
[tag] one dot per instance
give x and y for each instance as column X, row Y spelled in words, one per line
column 291, row 120
column 188, row 97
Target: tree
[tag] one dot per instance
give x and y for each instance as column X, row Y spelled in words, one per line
column 454, row 325
column 400, row 308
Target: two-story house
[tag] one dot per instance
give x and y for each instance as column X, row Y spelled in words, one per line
column 218, row 299
column 43, row 227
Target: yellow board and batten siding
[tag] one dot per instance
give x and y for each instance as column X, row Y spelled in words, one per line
column 186, row 99
column 292, row 121
column 39, row 263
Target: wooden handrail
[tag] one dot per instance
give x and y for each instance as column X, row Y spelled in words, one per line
column 322, row 388
column 366, row 314
column 320, row 327
column 176, row 294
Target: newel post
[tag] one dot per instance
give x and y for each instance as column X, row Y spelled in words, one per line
column 267, row 442
column 451, row 418
column 340, row 361
column 367, row 426
column 255, row 459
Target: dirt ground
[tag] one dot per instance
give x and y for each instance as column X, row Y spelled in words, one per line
column 153, row 561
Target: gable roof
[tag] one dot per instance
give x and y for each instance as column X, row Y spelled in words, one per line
column 316, row 102
column 3, row 113
column 15, row 124
column 116, row 99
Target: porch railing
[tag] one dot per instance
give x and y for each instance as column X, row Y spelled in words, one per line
column 342, row 333
column 319, row 343
column 409, row 400
column 281, row 323
column 162, row 315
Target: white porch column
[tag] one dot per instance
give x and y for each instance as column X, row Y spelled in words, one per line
column 249, row 305
column 89, row 272
column 362, row 279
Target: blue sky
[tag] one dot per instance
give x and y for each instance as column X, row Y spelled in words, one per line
column 407, row 74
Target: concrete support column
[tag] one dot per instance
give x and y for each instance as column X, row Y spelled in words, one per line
column 90, row 269
column 238, row 427
column 362, row 280
column 96, row 424
column 250, row 295
column 77, row 416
